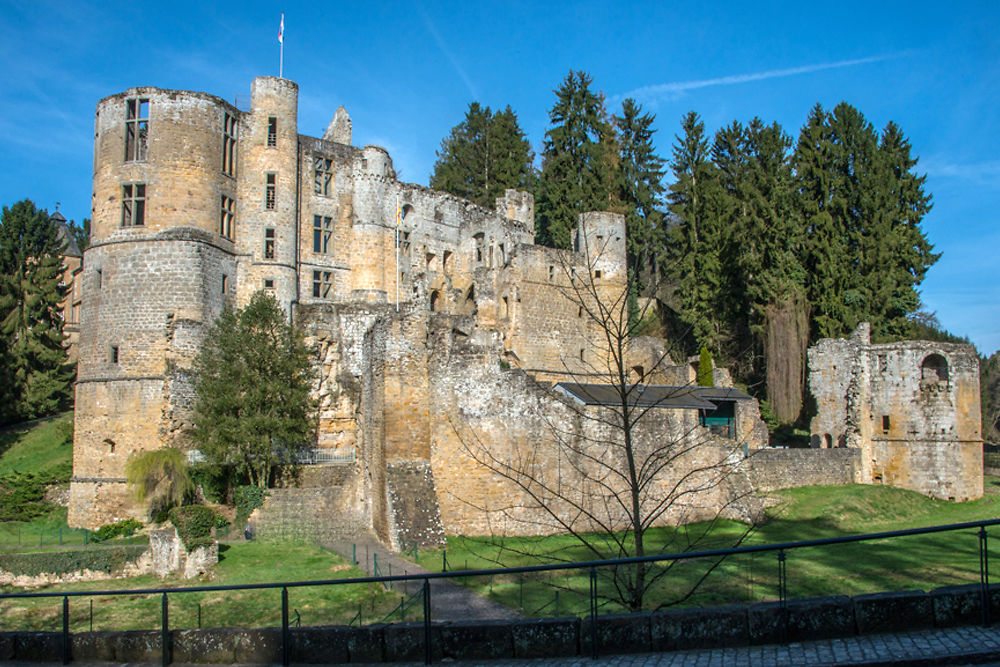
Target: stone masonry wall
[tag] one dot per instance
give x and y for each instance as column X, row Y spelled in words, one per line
column 911, row 408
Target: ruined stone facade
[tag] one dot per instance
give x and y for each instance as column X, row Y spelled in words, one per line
column 911, row 408
column 431, row 318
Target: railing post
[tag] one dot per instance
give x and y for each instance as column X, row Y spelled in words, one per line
column 984, row 577
column 428, row 654
column 783, row 594
column 164, row 631
column 285, row 647
column 593, row 612
column 65, row 630
column 354, row 554
column 444, row 560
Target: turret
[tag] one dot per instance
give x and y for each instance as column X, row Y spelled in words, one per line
column 374, row 226
column 268, row 189
column 601, row 237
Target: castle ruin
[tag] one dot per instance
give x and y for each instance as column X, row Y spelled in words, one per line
column 434, row 321
column 910, row 407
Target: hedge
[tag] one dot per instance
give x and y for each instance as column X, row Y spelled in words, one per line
column 194, row 524
column 103, row 559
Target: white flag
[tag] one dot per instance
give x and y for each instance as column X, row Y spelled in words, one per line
column 281, row 29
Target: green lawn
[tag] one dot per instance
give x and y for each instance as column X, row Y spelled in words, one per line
column 919, row 562
column 41, row 447
column 240, row 563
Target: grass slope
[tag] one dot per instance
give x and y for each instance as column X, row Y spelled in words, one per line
column 45, row 447
column 921, row 562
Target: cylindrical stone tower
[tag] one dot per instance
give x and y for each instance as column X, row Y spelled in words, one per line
column 159, row 269
column 268, row 194
column 374, row 227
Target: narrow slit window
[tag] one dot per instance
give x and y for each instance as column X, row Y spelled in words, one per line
column 226, row 215
column 136, row 129
column 885, row 423
column 133, row 205
column 113, row 354
column 270, row 192
column 229, row 145
column 269, row 240
column 272, row 132
column 225, row 280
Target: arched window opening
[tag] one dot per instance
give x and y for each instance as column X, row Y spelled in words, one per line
column 435, row 301
column 934, row 369
column 828, row 440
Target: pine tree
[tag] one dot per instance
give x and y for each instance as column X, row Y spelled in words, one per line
column 35, row 378
column 641, row 192
column 484, row 155
column 697, row 243
column 862, row 204
column 579, row 164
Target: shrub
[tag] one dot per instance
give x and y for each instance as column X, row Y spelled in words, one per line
column 124, row 528
column 221, row 521
column 103, row 559
column 159, row 476
column 705, row 378
column 22, row 496
column 247, row 498
column 194, row 524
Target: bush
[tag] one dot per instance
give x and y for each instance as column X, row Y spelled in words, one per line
column 247, row 498
column 110, row 531
column 103, row 559
column 221, row 521
column 22, row 496
column 194, row 524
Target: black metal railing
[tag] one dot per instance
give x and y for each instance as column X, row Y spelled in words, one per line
column 591, row 566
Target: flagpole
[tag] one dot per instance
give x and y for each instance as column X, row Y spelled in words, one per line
column 281, row 47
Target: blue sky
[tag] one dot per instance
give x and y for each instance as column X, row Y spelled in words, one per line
column 406, row 71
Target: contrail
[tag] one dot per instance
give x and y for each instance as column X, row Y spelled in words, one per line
column 447, row 52
column 674, row 89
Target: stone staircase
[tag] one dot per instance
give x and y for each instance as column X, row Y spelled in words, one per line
column 319, row 510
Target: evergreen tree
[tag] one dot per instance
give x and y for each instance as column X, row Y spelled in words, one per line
column 641, row 192
column 484, row 155
column 579, row 163
column 697, row 243
column 254, row 409
column 35, row 378
column 862, row 205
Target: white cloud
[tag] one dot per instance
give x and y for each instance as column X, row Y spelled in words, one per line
column 676, row 89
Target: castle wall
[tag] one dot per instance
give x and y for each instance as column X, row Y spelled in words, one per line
column 911, row 408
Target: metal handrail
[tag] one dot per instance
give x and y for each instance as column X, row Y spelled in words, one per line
column 592, row 565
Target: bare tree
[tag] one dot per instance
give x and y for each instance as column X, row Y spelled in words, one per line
column 627, row 452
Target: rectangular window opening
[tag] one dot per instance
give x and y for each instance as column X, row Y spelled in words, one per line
column 226, row 215
column 229, row 145
column 113, row 354
column 322, row 235
column 272, row 132
column 269, row 240
column 133, row 204
column 270, row 193
column 136, row 129
column 322, row 284
column 269, row 284
column 323, row 176
column 885, row 423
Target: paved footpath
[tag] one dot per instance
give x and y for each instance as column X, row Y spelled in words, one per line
column 449, row 601
column 953, row 646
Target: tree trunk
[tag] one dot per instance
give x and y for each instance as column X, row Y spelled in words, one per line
column 787, row 339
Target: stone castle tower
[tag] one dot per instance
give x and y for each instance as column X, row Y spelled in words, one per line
column 198, row 204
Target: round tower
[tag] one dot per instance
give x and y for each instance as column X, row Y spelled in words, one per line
column 159, row 269
column 267, row 236
column 374, row 226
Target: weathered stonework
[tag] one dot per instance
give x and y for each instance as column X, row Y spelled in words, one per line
column 435, row 322
column 911, row 408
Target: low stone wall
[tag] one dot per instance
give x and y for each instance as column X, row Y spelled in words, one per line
column 770, row 469
column 679, row 629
